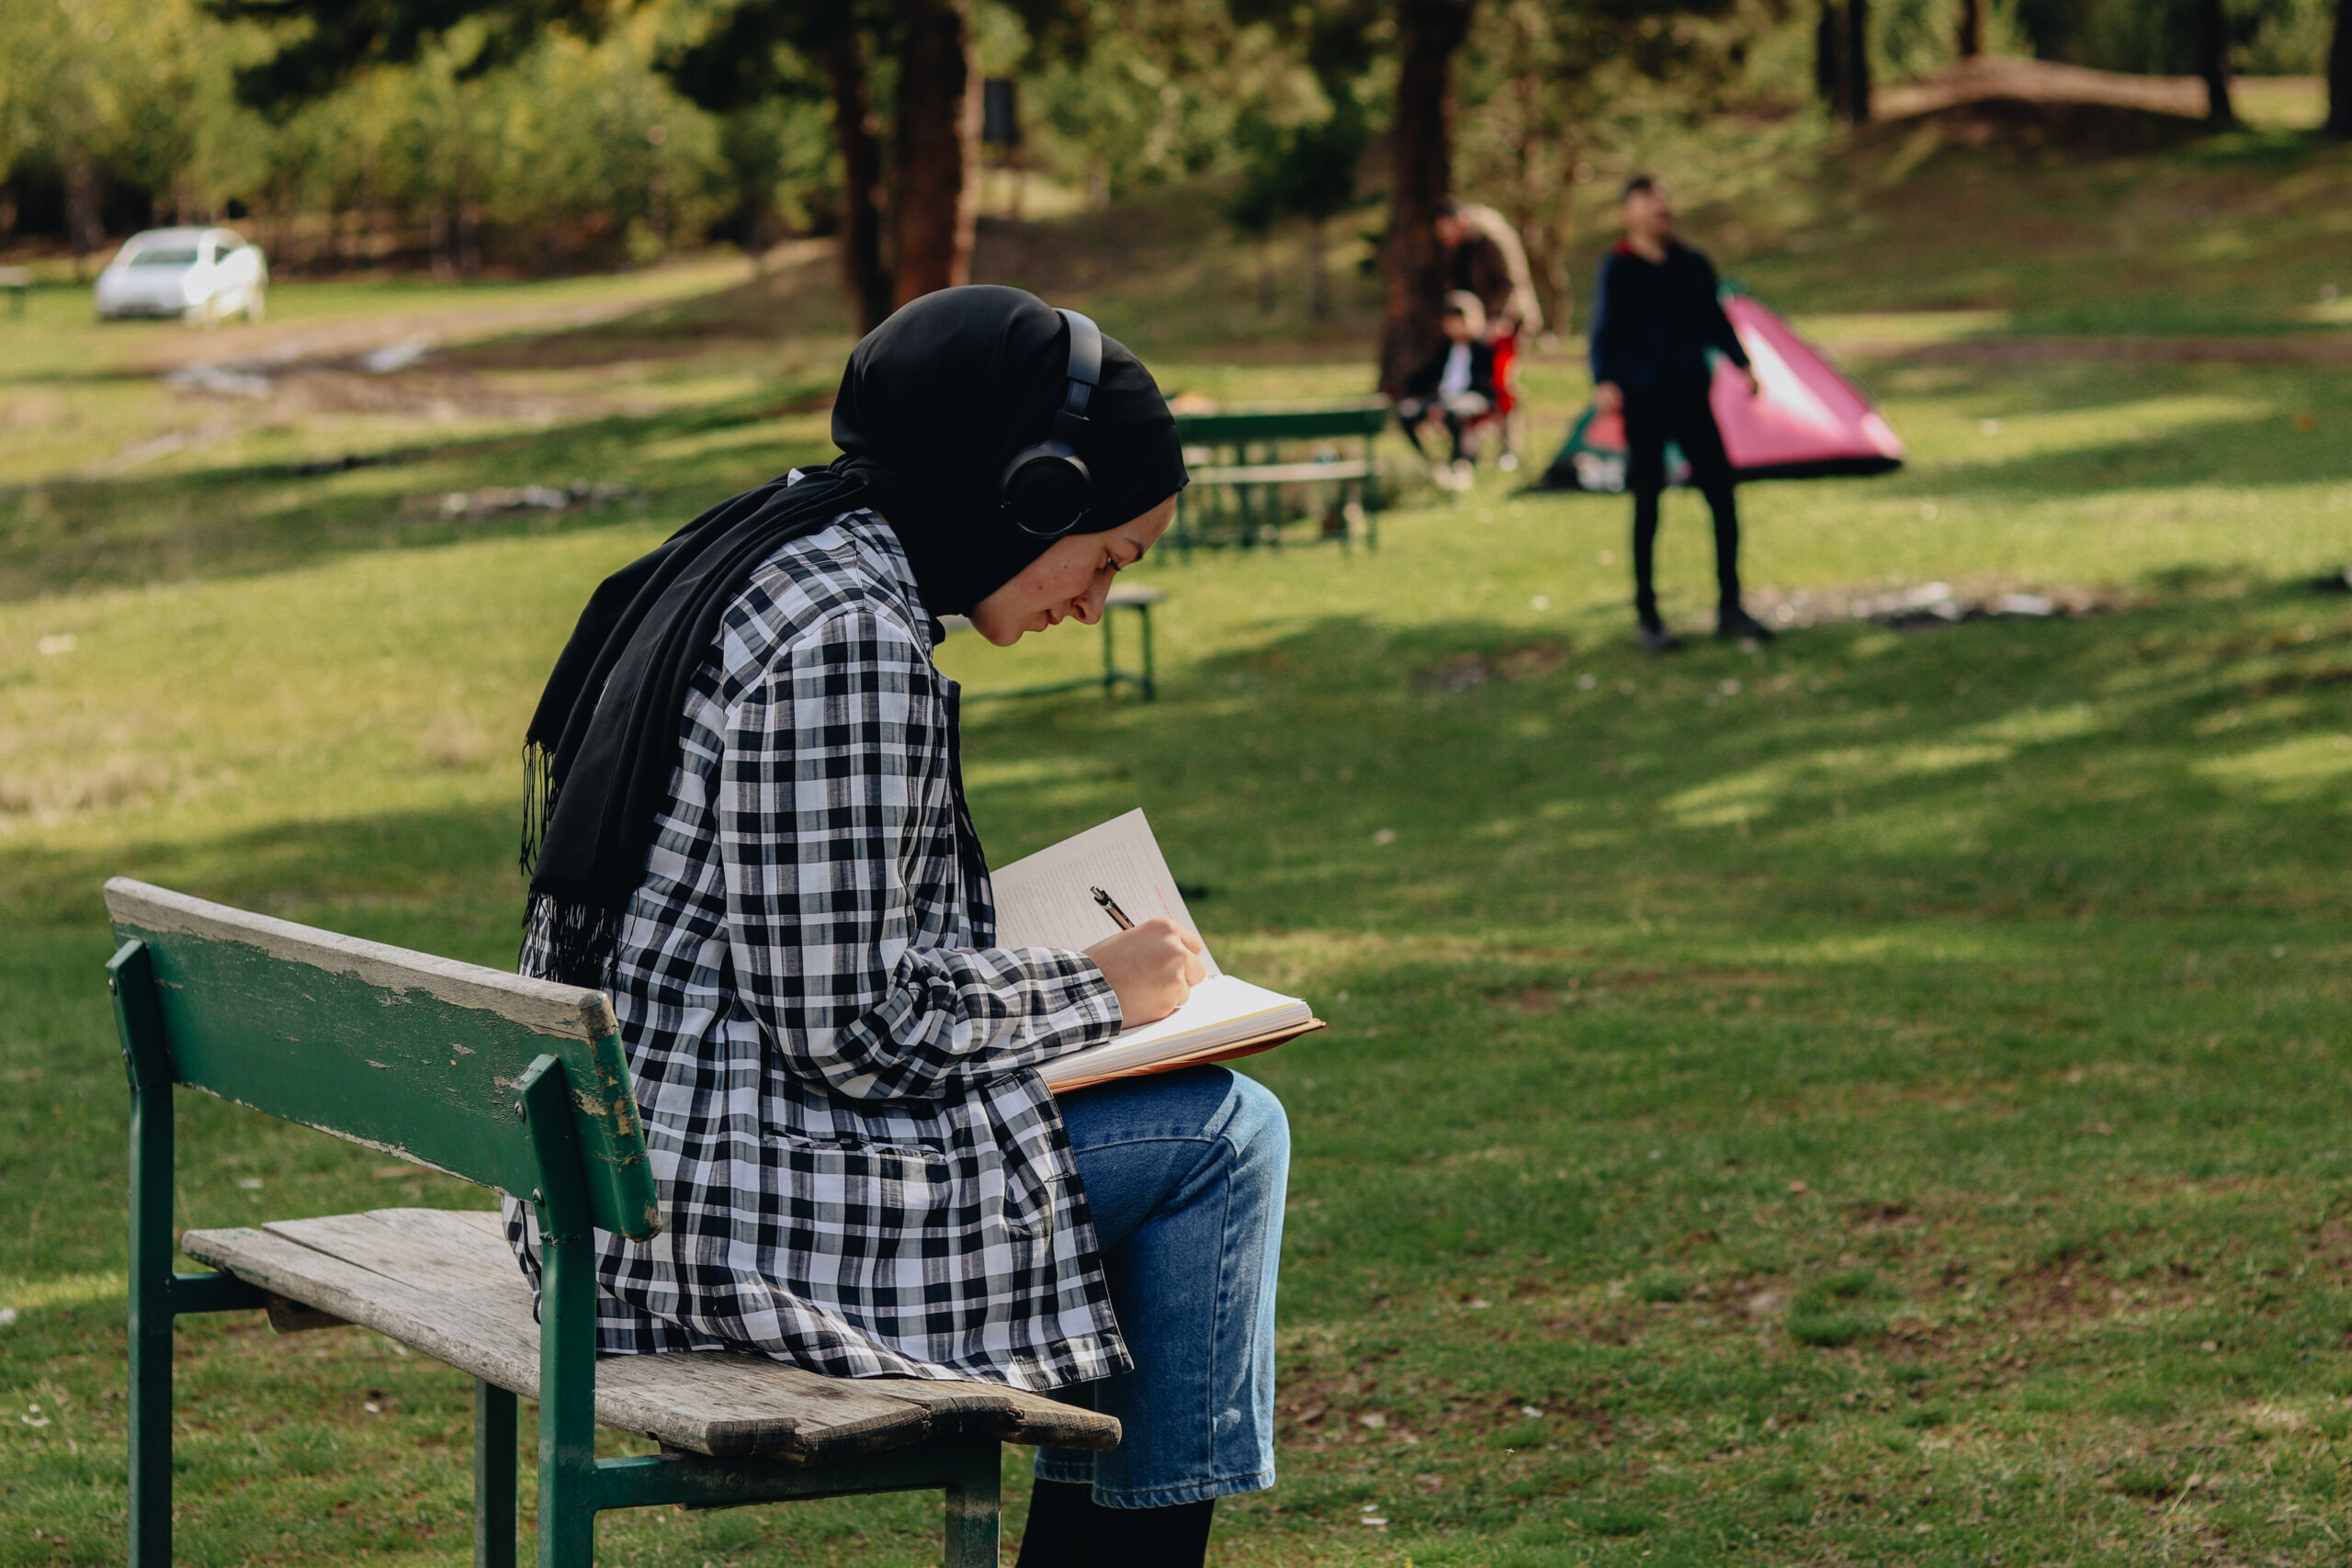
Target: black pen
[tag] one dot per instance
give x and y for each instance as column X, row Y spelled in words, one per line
column 1111, row 907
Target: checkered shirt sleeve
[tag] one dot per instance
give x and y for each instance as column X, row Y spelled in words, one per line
column 821, row 791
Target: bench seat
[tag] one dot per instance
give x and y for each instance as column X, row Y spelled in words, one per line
column 445, row 1283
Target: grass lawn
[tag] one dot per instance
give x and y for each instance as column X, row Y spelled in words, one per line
column 1869, row 1100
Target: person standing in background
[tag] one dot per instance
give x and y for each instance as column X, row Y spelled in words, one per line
column 1654, row 316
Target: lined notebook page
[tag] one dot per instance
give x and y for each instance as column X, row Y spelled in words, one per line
column 1044, row 900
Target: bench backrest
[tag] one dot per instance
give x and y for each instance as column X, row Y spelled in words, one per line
column 1357, row 417
column 421, row 1056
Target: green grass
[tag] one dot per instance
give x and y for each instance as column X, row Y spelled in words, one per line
column 1876, row 1098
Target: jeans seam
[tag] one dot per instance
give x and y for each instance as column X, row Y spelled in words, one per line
column 1224, row 1305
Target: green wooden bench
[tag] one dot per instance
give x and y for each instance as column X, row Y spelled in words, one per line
column 519, row 1086
column 1250, row 485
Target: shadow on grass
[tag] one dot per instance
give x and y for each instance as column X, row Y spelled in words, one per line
column 1897, row 1007
column 79, row 535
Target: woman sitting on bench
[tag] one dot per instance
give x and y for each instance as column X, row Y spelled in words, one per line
column 750, row 828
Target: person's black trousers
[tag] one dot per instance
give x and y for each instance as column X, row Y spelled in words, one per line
column 1460, row 412
column 1677, row 411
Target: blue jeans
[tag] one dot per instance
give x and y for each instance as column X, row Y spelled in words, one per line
column 1186, row 1174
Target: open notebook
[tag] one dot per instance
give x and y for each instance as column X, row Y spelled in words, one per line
column 1047, row 900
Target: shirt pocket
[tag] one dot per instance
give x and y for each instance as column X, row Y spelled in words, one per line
column 876, row 1195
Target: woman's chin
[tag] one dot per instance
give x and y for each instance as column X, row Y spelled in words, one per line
column 997, row 634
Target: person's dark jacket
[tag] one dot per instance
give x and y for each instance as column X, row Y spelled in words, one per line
column 1654, row 322
column 1422, row 382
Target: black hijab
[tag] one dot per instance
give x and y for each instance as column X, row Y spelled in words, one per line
column 934, row 403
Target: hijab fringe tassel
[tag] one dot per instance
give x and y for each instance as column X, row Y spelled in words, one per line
column 567, row 940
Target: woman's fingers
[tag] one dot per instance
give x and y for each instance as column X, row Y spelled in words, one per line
column 1152, row 967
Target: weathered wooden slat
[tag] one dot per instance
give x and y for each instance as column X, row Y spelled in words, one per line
column 437, row 1249
column 486, row 1330
column 539, row 1006
column 458, row 1242
column 417, row 1056
column 980, row 1409
column 444, row 1284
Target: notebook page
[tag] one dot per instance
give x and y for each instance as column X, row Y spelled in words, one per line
column 1043, row 900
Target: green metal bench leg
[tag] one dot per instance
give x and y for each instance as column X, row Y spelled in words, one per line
column 568, row 1490
column 494, row 1475
column 130, row 977
column 974, row 1520
column 1151, row 677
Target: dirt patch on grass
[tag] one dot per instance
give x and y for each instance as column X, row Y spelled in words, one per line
column 2003, row 79
column 1468, row 671
column 2060, row 1292
column 2005, row 353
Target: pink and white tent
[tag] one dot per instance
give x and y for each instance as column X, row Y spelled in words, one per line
column 1807, row 422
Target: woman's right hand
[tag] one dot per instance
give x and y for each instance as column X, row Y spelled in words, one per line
column 1152, row 967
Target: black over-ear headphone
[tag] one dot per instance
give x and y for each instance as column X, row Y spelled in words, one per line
column 1047, row 488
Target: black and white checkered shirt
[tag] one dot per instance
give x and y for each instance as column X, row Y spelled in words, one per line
column 859, row 1170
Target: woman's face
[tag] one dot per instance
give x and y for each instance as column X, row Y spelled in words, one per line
column 1070, row 581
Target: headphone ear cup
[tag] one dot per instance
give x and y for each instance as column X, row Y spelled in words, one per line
column 1047, row 493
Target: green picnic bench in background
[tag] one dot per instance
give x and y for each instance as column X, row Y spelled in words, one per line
column 1132, row 597
column 519, row 1086
column 1268, row 464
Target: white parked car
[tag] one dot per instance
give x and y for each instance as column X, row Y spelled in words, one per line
column 201, row 276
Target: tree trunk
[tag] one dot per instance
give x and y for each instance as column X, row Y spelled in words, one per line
column 2339, row 74
column 938, row 183
column 1319, row 275
column 1858, row 62
column 1421, row 148
column 2213, row 61
column 1830, row 58
column 82, row 233
column 863, row 274
column 1971, row 29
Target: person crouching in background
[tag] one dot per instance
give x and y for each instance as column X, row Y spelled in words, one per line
column 1453, row 388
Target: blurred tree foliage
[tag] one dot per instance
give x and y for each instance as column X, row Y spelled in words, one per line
column 115, row 114
column 542, row 135
column 2161, row 37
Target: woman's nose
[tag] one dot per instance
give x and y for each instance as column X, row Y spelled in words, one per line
column 1088, row 606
